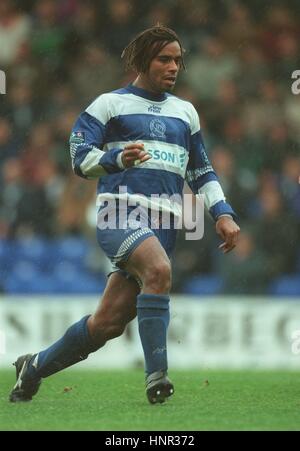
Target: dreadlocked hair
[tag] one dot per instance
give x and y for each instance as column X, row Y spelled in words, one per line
column 146, row 45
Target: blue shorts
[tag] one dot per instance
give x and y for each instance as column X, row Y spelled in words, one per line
column 119, row 238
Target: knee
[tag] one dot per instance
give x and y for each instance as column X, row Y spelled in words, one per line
column 157, row 278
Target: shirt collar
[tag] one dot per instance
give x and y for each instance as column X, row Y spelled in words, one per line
column 146, row 94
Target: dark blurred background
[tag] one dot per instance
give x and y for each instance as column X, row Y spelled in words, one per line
column 60, row 55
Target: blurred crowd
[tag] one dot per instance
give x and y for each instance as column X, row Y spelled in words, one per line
column 240, row 56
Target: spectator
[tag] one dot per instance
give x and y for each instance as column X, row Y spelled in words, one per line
column 210, row 65
column 15, row 29
column 247, row 270
column 277, row 234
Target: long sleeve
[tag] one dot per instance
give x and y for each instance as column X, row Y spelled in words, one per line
column 86, row 143
column 201, row 177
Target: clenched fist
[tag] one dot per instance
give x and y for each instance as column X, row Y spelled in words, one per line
column 134, row 153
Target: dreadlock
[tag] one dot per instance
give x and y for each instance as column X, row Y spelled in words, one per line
column 146, row 45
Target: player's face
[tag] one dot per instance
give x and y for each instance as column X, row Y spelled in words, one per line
column 164, row 68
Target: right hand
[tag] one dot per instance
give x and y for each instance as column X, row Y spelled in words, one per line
column 228, row 231
column 134, row 154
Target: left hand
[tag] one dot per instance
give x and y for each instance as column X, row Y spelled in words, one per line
column 229, row 232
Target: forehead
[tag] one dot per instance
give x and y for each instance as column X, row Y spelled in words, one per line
column 170, row 49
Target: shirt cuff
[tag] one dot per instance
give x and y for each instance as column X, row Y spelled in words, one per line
column 221, row 208
column 119, row 160
column 225, row 216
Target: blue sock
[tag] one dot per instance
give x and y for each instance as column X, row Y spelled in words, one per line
column 153, row 318
column 73, row 347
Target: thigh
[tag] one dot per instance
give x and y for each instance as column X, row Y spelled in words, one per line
column 119, row 299
column 149, row 253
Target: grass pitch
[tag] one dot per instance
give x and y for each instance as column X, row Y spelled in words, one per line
column 115, row 401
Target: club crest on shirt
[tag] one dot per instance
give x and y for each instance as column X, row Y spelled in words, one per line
column 157, row 128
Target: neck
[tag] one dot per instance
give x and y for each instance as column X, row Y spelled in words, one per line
column 140, row 82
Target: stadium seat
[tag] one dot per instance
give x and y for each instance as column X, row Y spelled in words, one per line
column 33, row 250
column 69, row 279
column 203, row 285
column 288, row 285
column 43, row 253
column 7, row 257
column 26, row 278
column 71, row 249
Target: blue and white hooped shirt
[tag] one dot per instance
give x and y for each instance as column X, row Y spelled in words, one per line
column 168, row 127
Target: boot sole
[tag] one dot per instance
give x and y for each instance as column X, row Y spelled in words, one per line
column 160, row 392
